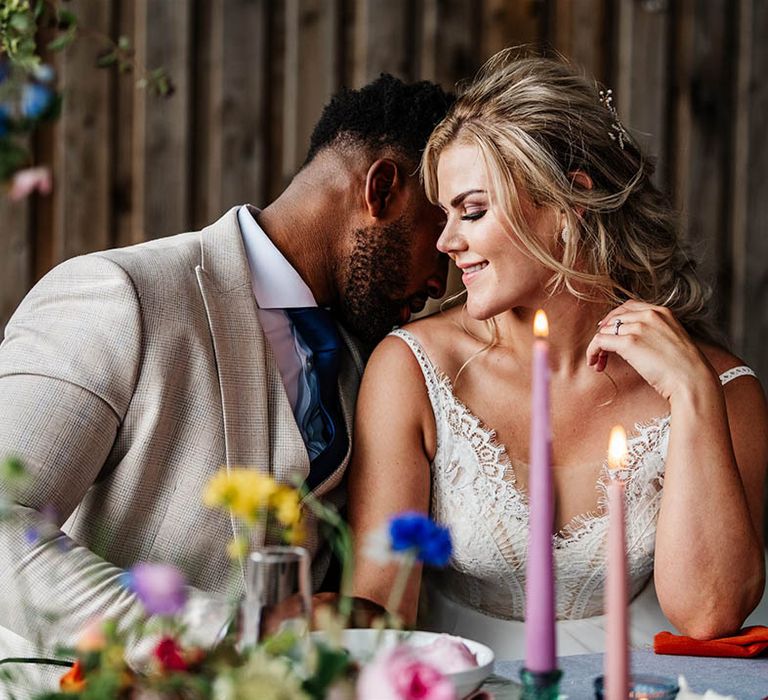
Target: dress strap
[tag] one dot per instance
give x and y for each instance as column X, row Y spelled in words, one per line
column 431, row 378
column 740, row 371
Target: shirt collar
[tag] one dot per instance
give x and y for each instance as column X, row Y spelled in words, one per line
column 275, row 283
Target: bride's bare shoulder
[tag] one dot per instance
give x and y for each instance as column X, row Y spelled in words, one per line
column 448, row 337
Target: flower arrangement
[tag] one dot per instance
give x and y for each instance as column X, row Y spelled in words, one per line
column 284, row 666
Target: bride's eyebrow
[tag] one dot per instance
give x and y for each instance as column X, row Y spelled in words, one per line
column 459, row 198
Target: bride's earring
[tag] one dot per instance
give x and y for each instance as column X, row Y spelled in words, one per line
column 565, row 234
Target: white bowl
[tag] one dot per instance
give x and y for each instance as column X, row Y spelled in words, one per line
column 362, row 644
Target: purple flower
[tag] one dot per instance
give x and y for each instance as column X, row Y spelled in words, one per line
column 161, row 588
column 35, row 99
column 416, row 532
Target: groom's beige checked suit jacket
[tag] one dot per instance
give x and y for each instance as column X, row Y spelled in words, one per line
column 127, row 378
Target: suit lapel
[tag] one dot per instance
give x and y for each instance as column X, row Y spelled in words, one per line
column 259, row 427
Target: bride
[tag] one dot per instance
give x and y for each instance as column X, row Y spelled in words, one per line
column 549, row 204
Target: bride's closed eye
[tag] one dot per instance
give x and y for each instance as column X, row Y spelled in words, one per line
column 474, row 215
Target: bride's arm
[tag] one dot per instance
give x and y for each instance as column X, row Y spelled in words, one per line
column 708, row 568
column 394, row 441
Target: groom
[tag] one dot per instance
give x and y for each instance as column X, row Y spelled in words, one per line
column 129, row 377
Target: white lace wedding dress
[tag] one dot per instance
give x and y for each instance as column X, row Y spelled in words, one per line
column 481, row 594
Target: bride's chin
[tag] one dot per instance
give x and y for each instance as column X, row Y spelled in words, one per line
column 479, row 312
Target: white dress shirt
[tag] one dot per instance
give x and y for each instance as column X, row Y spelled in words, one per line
column 277, row 286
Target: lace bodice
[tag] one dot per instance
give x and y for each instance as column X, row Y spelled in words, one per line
column 474, row 493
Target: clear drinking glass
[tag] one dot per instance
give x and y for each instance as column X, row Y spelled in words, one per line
column 278, row 593
column 644, row 687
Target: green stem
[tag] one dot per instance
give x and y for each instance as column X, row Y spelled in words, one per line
column 398, row 587
column 31, row 660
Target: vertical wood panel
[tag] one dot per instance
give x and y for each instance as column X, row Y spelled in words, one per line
column 82, row 196
column 15, row 256
column 448, row 42
column 125, row 232
column 382, row 33
column 511, row 24
column 276, row 90
column 703, row 125
column 311, row 73
column 230, row 133
column 162, row 127
column 579, row 30
column 642, row 84
column 750, row 305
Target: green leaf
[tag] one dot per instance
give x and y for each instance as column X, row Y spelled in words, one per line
column 106, row 60
column 12, row 468
column 124, row 43
column 331, row 664
column 61, row 41
column 67, row 19
column 21, row 23
column 280, row 643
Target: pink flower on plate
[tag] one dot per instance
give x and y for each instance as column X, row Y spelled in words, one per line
column 396, row 674
column 30, row 180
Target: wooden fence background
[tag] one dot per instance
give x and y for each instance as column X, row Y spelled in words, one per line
column 251, row 77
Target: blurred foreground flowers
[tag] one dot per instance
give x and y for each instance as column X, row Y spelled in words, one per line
column 289, row 665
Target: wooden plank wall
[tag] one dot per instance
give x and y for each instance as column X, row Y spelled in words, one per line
column 251, row 77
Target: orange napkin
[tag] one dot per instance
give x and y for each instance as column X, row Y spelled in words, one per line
column 750, row 641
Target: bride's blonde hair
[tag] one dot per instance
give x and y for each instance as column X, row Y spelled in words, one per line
column 538, row 123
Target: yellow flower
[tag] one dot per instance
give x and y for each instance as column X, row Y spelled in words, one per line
column 295, row 534
column 220, row 491
column 285, row 502
column 245, row 491
column 238, row 548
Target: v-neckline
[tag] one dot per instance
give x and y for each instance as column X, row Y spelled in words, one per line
column 581, row 522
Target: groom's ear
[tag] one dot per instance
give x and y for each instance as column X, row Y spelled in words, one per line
column 381, row 184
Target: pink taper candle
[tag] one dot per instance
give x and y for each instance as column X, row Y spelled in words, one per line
column 540, row 584
column 616, row 594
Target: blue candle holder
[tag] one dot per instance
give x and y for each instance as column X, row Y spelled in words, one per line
column 540, row 686
column 645, row 687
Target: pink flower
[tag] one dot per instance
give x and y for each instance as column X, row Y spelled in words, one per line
column 396, row 674
column 29, row 180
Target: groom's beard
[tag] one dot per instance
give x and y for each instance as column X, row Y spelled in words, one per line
column 375, row 281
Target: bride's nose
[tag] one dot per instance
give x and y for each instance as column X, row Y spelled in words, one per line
column 450, row 239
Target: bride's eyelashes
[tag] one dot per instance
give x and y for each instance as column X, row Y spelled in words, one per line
column 474, row 216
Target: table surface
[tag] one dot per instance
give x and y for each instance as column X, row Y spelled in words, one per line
column 746, row 679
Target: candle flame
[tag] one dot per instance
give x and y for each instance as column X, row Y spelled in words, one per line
column 540, row 324
column 617, row 447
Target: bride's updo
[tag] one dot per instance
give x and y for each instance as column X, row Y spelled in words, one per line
column 538, row 123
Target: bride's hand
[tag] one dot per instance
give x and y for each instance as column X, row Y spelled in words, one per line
column 654, row 343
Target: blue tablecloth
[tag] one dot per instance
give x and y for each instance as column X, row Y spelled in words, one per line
column 746, row 679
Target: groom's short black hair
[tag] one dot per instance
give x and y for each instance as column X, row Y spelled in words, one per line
column 384, row 113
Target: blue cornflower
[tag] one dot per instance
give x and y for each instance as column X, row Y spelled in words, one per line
column 417, row 533
column 35, row 99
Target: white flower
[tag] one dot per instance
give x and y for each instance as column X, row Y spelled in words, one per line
column 378, row 547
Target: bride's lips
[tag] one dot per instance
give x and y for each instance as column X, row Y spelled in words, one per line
column 469, row 272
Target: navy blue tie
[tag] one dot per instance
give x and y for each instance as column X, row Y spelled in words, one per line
column 318, row 330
